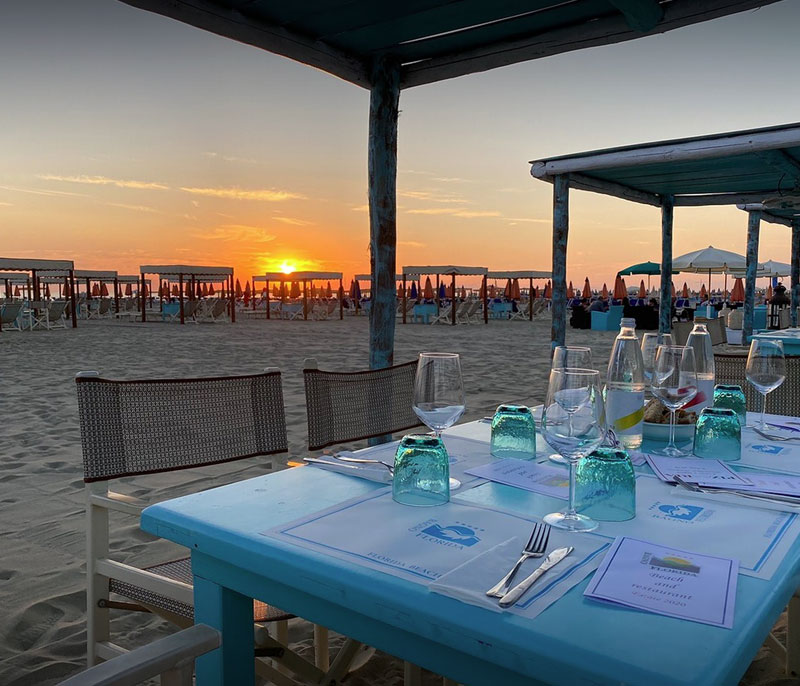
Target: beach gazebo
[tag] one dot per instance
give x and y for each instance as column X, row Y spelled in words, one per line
column 306, row 278
column 529, row 274
column 756, row 168
column 444, row 271
column 36, row 268
column 385, row 47
column 187, row 273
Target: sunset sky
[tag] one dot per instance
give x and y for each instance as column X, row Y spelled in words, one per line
column 128, row 138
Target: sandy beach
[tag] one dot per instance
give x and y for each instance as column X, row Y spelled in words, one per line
column 42, row 624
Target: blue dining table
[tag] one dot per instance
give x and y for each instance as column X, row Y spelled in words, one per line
column 574, row 641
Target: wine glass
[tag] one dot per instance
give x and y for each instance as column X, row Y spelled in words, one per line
column 650, row 343
column 439, row 394
column 674, row 384
column 576, row 357
column 766, row 369
column 573, row 424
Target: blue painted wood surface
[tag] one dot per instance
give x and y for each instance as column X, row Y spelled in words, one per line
column 574, row 641
column 558, row 305
column 665, row 297
column 382, row 166
column 753, row 226
column 795, row 265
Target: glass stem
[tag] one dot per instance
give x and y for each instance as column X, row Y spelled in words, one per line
column 763, row 412
column 672, row 429
column 570, row 512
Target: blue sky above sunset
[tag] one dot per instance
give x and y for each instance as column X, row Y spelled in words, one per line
column 129, row 138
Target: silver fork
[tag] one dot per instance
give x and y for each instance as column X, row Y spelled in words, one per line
column 756, row 495
column 770, row 437
column 535, row 547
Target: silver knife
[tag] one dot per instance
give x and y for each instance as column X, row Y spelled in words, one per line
column 316, row 460
column 519, row 590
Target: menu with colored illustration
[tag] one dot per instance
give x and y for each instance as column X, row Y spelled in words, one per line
column 667, row 581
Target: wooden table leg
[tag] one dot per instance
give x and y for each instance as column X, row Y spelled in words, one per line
column 232, row 615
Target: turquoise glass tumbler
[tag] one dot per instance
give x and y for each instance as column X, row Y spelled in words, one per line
column 421, row 472
column 732, row 398
column 605, row 486
column 718, row 434
column 513, row 432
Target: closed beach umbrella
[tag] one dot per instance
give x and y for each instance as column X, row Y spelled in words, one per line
column 328, row 291
column 507, row 290
column 294, row 291
column 66, row 288
column 642, row 291
column 16, row 291
column 205, row 290
column 737, row 292
column 211, row 289
column 492, row 291
column 703, row 292
column 353, row 289
column 587, row 289
column 769, row 292
column 604, row 292
column 175, row 289
column 104, row 290
column 47, row 291
column 535, row 293
column 442, row 291
column 276, row 290
column 128, row 289
column 358, row 291
column 413, row 290
column 672, row 289
column 619, row 288
column 428, row 292
column 238, row 290
column 515, row 294
column 463, row 293
column 187, row 289
column 400, row 292
column 570, row 291
column 685, row 291
column 548, row 290
column 246, row 294
column 95, row 290
column 199, row 291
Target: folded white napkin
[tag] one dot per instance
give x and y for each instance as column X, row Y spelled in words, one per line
column 469, row 582
column 732, row 499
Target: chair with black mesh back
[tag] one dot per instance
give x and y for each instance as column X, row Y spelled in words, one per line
column 785, row 399
column 354, row 406
column 140, row 427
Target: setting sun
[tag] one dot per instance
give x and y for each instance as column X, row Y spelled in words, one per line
column 287, row 268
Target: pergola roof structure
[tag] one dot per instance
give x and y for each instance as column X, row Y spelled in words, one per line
column 433, row 40
column 445, row 270
column 757, row 170
column 389, row 46
column 172, row 270
column 524, row 274
column 25, row 264
column 297, row 276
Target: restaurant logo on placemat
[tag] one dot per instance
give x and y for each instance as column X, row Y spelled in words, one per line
column 688, row 514
column 768, row 449
column 456, row 534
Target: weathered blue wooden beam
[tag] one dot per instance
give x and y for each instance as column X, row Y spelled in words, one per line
column 382, row 166
column 795, row 276
column 665, row 300
column 558, row 310
column 640, row 15
column 753, row 226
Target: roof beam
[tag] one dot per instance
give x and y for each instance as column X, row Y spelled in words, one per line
column 583, row 182
column 641, row 15
column 606, row 31
column 783, row 162
column 720, row 199
column 765, row 214
column 233, row 24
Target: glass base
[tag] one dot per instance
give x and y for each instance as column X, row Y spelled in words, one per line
column 558, row 459
column 455, row 484
column 672, row 451
column 576, row 522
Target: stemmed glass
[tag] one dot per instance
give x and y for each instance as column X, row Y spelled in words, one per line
column 674, row 383
column 573, row 423
column 766, row 369
column 576, row 357
column 439, row 394
column 650, row 343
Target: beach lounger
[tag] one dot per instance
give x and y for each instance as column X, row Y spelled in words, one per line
column 154, row 426
column 219, row 311
column 10, row 316
column 51, row 316
column 444, row 316
column 171, row 658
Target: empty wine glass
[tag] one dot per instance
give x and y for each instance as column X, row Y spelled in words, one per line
column 439, row 393
column 573, row 424
column 650, row 342
column 766, row 369
column 576, row 357
column 674, row 383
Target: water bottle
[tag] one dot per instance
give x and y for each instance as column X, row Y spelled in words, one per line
column 700, row 341
column 625, row 387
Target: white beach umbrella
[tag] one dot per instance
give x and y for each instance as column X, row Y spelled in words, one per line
column 711, row 260
column 772, row 268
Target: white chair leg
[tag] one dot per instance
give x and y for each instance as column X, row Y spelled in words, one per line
column 412, row 674
column 97, row 619
column 282, row 636
column 793, row 637
column 322, row 656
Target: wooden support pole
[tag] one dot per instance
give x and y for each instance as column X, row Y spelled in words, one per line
column 233, row 300
column 665, row 300
column 341, row 300
column 795, row 273
column 753, row 226
column 382, row 167
column 116, row 295
column 405, row 293
column 485, row 301
column 436, row 294
column 72, row 301
column 558, row 330
column 142, row 302
column 305, row 300
column 530, row 299
column 180, row 297
column 453, row 307
column 268, row 314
